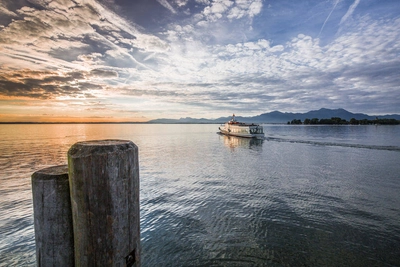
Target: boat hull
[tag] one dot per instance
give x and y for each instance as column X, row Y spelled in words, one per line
column 244, row 135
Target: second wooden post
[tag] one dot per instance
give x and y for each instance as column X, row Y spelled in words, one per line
column 104, row 184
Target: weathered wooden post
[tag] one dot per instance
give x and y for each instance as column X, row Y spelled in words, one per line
column 104, row 184
column 53, row 217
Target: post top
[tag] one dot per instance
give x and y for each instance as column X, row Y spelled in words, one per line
column 85, row 148
column 106, row 142
column 51, row 173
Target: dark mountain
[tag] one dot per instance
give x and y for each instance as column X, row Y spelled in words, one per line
column 324, row 113
column 279, row 117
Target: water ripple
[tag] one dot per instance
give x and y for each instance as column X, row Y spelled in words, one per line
column 209, row 200
column 320, row 143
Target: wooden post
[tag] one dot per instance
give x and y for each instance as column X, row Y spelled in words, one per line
column 53, row 217
column 104, row 184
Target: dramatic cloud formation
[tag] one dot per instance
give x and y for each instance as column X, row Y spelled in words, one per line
column 139, row 60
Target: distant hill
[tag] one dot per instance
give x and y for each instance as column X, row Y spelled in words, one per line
column 183, row 121
column 279, row 117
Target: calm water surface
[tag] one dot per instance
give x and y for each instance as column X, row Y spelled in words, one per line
column 304, row 196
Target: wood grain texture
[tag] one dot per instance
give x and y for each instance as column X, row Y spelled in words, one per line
column 53, row 217
column 104, row 184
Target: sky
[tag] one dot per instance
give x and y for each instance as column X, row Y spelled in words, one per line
column 125, row 60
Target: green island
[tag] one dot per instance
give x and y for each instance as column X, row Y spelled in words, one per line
column 340, row 121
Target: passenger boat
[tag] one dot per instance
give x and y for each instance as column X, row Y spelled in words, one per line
column 242, row 129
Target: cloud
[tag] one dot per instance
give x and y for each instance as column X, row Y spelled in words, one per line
column 83, row 52
column 326, row 20
column 181, row 3
column 104, row 73
column 220, row 9
column 216, row 22
column 349, row 11
column 5, row 11
column 301, row 72
column 65, row 36
column 245, row 8
column 46, row 84
column 165, row 4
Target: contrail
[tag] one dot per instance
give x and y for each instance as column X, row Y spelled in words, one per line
column 337, row 1
column 350, row 11
column 165, row 4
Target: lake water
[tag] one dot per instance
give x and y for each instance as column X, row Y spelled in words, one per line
column 304, row 196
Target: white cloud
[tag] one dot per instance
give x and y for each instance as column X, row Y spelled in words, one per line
column 181, row 3
column 277, row 48
column 302, row 69
column 255, row 8
column 218, row 9
column 236, row 13
column 182, row 67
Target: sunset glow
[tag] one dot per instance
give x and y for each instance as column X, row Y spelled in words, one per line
column 120, row 60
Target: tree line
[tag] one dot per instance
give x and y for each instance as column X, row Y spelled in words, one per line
column 340, row 121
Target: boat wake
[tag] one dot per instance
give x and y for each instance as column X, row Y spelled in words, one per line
column 375, row 147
